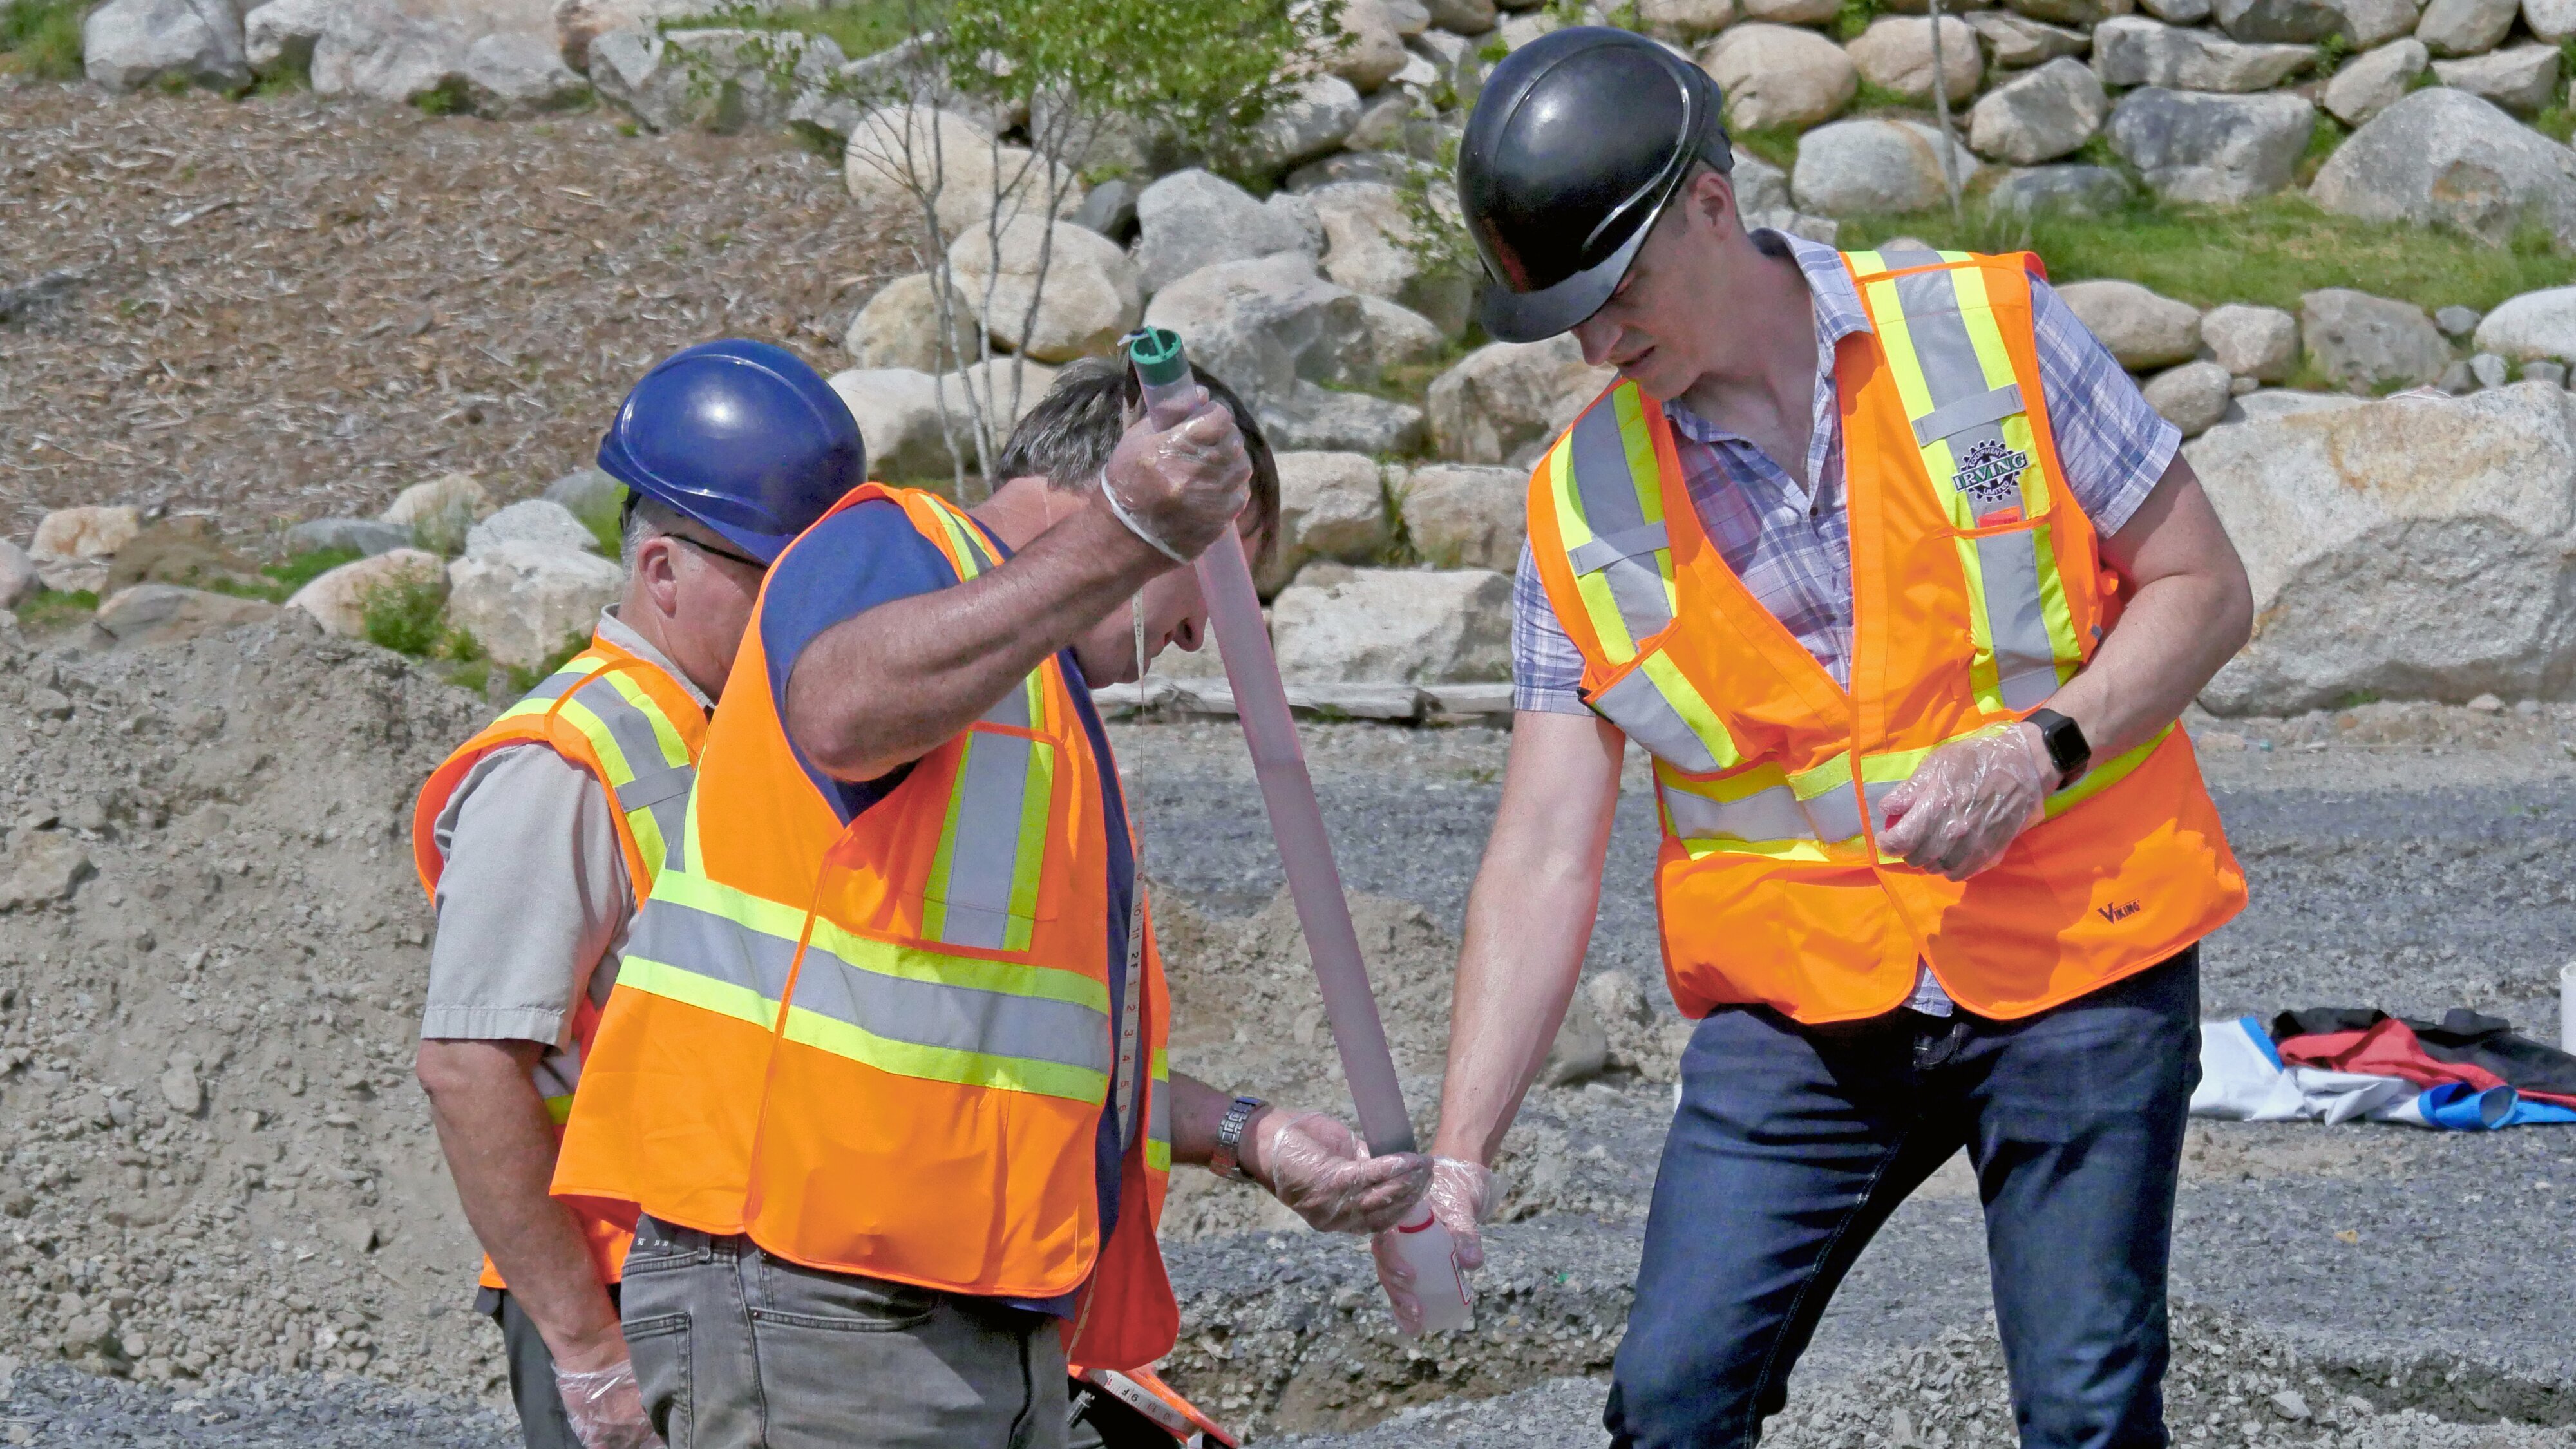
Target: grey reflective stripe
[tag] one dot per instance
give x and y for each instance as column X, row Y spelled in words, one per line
column 1952, row 371
column 2025, row 661
column 1640, row 709
column 554, row 685
column 893, row 1008
column 706, row 944
column 1602, row 552
column 984, row 855
column 1771, row 814
column 1964, row 413
column 1608, row 491
column 1835, row 813
column 1158, row 1113
column 1907, row 257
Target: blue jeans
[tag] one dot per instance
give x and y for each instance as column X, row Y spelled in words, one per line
column 1793, row 1144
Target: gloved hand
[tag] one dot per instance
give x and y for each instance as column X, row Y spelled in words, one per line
column 1460, row 1196
column 1968, row 800
column 1178, row 488
column 606, row 1408
column 1324, row 1173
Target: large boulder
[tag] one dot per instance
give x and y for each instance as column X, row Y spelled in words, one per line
column 73, row 547
column 2369, row 84
column 1875, row 166
column 440, row 511
column 2192, row 397
column 2296, row 21
column 2017, row 42
column 337, row 598
column 2257, row 342
column 2551, row 20
column 1464, row 516
column 539, row 521
column 1195, row 218
column 718, row 79
column 510, row 75
column 1779, row 75
column 525, row 602
column 2142, row 328
column 899, row 326
column 2136, row 51
column 371, row 49
column 131, row 43
column 1505, row 401
column 1314, row 118
column 1792, row 12
column 2210, row 149
column 1683, row 22
column 2444, row 157
column 1395, row 626
column 2534, row 327
column 1398, row 336
column 897, row 409
column 1369, row 248
column 278, row 37
column 1081, row 283
column 367, row 536
column 2369, row 24
column 2368, row 343
column 2465, row 27
column 2041, row 116
column 1475, row 17
column 2071, row 188
column 2416, row 547
column 2071, row 12
column 898, row 154
column 2520, row 78
column 1371, row 50
column 1331, row 506
column 169, row 613
column 1320, row 419
column 1895, row 54
column 1261, row 325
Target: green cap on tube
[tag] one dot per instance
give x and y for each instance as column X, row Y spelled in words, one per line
column 1156, row 353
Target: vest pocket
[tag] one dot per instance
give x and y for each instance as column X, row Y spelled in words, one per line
column 1655, row 704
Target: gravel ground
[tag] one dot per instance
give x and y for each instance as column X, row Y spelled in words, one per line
column 282, row 309
column 241, row 906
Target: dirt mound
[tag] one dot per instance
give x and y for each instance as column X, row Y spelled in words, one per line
column 279, row 308
column 216, row 1158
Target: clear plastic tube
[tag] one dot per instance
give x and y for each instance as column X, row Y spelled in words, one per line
column 1305, row 852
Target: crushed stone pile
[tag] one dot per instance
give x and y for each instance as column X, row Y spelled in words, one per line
column 283, row 308
column 214, row 1159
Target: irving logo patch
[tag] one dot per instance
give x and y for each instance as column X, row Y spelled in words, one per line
column 1990, row 475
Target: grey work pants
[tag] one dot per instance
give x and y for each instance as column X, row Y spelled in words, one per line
column 542, row 1421
column 736, row 1349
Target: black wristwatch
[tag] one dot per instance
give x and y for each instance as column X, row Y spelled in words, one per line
column 2067, row 749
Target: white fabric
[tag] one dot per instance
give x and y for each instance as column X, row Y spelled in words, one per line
column 2242, row 1079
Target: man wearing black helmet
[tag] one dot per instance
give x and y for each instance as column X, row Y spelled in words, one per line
column 1887, row 565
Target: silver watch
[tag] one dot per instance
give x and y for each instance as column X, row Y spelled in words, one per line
column 1227, row 1160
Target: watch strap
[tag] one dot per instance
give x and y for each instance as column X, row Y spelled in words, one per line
column 1227, row 1160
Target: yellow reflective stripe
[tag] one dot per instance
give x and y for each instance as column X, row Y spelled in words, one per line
column 675, row 751
column 786, row 924
column 1799, row 850
column 934, row 889
column 945, row 1064
column 559, row 1109
column 1645, row 473
column 1158, row 1115
column 2054, row 611
column 1599, row 604
column 1037, row 800
column 1685, row 700
column 2105, row 775
column 680, row 984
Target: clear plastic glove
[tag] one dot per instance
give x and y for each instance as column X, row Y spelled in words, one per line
column 607, row 1409
column 1324, row 1173
column 1968, row 800
column 1460, row 1196
column 1180, row 487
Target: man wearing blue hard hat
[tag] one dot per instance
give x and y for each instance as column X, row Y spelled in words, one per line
column 538, row 839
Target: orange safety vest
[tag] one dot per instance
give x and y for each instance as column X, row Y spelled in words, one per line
column 884, row 1048
column 1976, row 592
column 637, row 731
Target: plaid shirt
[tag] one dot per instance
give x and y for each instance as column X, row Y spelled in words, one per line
column 1791, row 545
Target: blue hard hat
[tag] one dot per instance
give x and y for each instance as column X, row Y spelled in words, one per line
column 740, row 436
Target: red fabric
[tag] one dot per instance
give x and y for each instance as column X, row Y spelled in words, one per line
column 2390, row 1049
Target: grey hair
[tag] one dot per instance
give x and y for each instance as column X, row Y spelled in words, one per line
column 644, row 520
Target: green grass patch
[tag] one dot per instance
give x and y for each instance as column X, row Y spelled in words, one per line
column 2268, row 252
column 42, row 38
column 407, row 614
column 1775, row 144
column 56, row 608
column 449, row 99
column 1854, row 17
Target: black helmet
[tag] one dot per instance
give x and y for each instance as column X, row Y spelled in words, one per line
column 1578, row 140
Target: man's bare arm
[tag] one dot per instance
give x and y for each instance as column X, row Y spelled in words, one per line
column 501, row 1148
column 1529, row 919
column 2189, row 610
column 889, row 686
